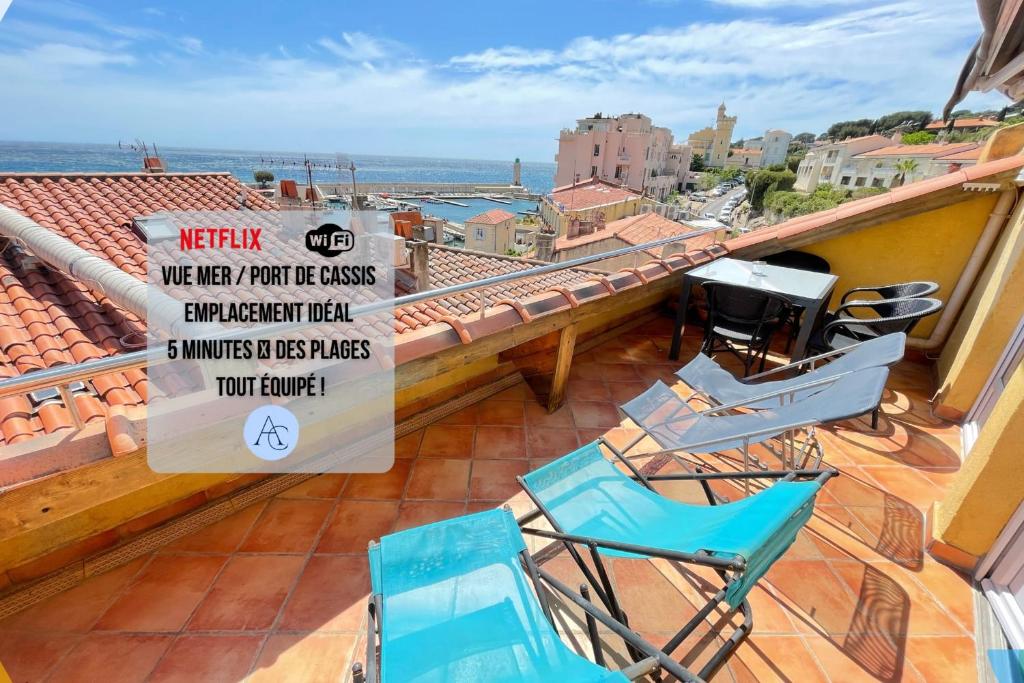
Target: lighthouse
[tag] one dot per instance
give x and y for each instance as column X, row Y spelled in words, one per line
column 517, row 173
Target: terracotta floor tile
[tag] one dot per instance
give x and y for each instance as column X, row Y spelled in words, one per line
column 330, row 595
column 222, row 537
column 537, row 416
column 207, row 658
column 443, row 441
column 621, row 392
column 310, row 658
column 587, row 390
column 943, row 658
column 408, row 446
column 516, row 392
column 950, row 588
column 583, row 369
column 248, row 593
column 287, row 526
column 639, row 583
column 28, row 657
column 419, row 512
column 778, row 659
column 497, row 412
column 389, row 485
column 595, row 414
column 355, row 523
column 820, row 595
column 494, row 443
column 163, row 595
column 470, row 415
column 893, row 606
column 619, row 372
column 437, row 479
column 905, row 484
column 496, row 479
column 78, row 608
column 550, row 442
column 860, row 658
column 133, row 656
column 319, row 486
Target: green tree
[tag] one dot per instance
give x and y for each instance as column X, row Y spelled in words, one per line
column 764, row 182
column 263, row 178
column 850, row 129
column 794, row 159
column 697, row 164
column 916, row 120
column 903, row 168
column 806, row 138
column 921, row 137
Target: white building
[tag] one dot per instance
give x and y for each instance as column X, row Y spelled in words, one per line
column 824, row 163
column 625, row 150
column 880, row 167
column 774, row 147
column 874, row 161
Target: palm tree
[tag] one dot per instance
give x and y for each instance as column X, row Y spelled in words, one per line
column 903, row 167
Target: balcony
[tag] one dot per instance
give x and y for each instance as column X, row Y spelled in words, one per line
column 262, row 579
column 279, row 588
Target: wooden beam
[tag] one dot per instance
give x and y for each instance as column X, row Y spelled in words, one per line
column 563, row 361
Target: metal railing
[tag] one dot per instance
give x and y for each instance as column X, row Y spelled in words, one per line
column 62, row 376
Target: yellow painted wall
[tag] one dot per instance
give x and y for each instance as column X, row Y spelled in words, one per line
column 990, row 484
column 990, row 315
column 934, row 245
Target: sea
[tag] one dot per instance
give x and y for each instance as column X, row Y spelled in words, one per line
column 538, row 177
column 61, row 156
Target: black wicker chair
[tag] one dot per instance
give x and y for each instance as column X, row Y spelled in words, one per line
column 801, row 260
column 845, row 328
column 742, row 321
column 898, row 291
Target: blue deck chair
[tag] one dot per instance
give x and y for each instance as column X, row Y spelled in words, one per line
column 585, row 497
column 452, row 603
column 715, row 385
column 676, row 426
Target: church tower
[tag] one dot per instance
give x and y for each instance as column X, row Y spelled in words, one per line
column 724, row 127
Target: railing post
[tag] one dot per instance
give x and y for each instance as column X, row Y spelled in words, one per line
column 69, row 402
column 563, row 362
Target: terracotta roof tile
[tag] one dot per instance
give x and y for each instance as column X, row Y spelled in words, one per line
column 645, row 227
column 590, row 193
column 492, row 217
column 964, row 123
column 48, row 319
column 932, row 150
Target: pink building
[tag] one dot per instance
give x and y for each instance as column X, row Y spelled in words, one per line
column 626, row 150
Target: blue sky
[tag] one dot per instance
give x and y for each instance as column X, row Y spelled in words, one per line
column 460, row 79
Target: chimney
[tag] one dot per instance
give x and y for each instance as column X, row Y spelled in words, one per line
column 153, row 165
column 419, row 261
column 545, row 246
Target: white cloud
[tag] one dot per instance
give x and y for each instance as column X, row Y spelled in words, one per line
column 69, row 56
column 191, row 45
column 506, row 101
column 504, row 58
column 361, row 47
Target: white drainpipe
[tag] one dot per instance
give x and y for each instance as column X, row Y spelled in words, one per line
column 94, row 272
column 954, row 304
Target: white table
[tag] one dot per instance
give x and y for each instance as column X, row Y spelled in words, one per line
column 804, row 288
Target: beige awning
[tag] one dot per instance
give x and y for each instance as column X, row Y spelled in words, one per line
column 997, row 60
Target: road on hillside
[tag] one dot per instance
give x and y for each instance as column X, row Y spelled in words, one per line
column 714, row 207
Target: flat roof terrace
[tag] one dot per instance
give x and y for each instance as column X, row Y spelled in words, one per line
column 277, row 591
